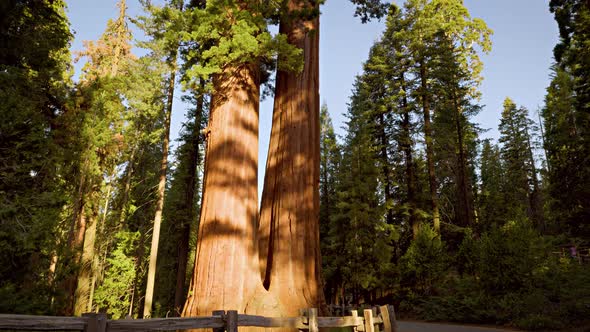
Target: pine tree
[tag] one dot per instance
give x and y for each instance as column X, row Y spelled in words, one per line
column 329, row 164
column 521, row 185
column 426, row 22
column 491, row 203
column 567, row 118
column 358, row 230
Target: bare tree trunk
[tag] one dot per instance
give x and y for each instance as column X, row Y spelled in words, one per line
column 226, row 270
column 409, row 159
column 385, row 168
column 75, row 245
column 149, row 292
column 127, row 186
column 84, row 276
column 429, row 149
column 535, row 199
column 289, row 216
column 465, row 208
column 75, row 242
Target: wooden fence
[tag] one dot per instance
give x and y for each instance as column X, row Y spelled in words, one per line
column 582, row 254
column 219, row 321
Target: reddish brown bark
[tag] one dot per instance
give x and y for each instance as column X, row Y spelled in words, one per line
column 289, row 216
column 75, row 244
column 226, row 271
column 71, row 281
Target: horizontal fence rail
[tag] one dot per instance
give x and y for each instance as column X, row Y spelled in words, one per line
column 42, row 323
column 220, row 321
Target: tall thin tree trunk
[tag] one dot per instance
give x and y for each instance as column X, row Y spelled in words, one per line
column 149, row 292
column 543, row 141
column 385, row 168
column 465, row 208
column 429, row 148
column 85, row 272
column 409, row 160
column 189, row 198
column 226, row 270
column 535, row 195
column 75, row 244
column 289, row 216
column 127, row 187
column 139, row 253
column 76, row 248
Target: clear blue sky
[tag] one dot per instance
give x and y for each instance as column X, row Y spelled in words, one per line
column 518, row 66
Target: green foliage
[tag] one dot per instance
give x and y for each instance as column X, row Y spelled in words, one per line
column 491, row 199
column 567, row 119
column 521, row 187
column 424, row 261
column 116, row 291
column 510, row 276
column 230, row 33
column 34, row 80
column 181, row 212
column 368, row 9
column 330, row 158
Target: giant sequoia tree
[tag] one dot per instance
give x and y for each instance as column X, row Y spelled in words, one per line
column 289, row 216
column 289, row 267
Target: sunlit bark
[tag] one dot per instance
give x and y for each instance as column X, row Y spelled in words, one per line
column 289, row 216
column 225, row 274
column 149, row 292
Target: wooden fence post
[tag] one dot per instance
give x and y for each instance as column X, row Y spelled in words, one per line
column 313, row 320
column 95, row 322
column 387, row 321
column 222, row 314
column 304, row 316
column 232, row 321
column 369, row 322
column 375, row 314
column 393, row 318
column 354, row 314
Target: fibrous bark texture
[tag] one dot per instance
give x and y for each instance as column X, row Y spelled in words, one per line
column 289, row 216
column 225, row 273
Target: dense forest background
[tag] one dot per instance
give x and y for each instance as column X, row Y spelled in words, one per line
column 416, row 209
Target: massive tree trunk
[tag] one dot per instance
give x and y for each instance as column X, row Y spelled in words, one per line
column 226, row 270
column 429, row 148
column 228, row 274
column 289, row 216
